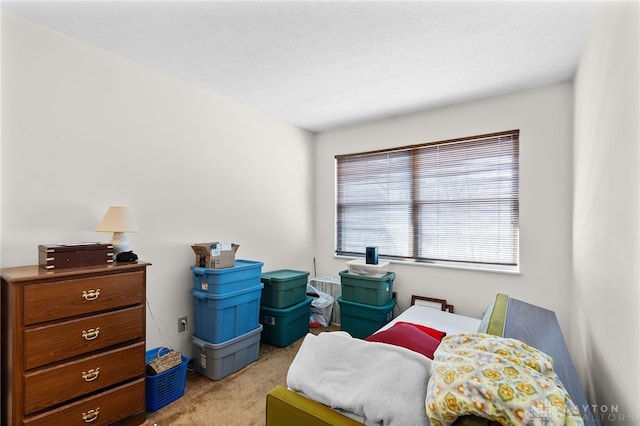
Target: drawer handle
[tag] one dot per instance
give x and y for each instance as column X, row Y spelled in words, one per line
column 91, row 375
column 91, row 294
column 91, row 415
column 91, row 334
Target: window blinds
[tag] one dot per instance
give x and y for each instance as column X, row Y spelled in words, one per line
column 450, row 201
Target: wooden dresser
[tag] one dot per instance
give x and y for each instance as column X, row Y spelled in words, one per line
column 73, row 345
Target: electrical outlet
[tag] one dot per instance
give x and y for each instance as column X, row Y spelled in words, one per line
column 183, row 325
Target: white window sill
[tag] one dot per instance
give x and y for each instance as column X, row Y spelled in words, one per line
column 513, row 270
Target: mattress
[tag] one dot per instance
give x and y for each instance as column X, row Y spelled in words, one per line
column 434, row 318
column 430, row 317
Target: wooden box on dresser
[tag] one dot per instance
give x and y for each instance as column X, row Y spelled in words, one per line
column 73, row 345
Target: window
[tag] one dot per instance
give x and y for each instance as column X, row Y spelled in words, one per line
column 450, row 202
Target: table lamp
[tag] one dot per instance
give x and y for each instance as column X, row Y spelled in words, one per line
column 118, row 220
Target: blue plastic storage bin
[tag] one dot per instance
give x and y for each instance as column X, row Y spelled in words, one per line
column 220, row 317
column 245, row 274
column 166, row 387
column 219, row 360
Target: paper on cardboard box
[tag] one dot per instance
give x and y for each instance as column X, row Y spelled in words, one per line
column 222, row 255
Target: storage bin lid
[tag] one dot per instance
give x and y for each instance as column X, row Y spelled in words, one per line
column 204, row 345
column 202, row 295
column 306, row 303
column 284, row 275
column 240, row 264
column 389, row 276
column 388, row 306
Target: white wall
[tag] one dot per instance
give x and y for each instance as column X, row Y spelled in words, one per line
column 606, row 220
column 83, row 129
column 544, row 117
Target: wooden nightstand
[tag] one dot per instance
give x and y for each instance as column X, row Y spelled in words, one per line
column 73, row 345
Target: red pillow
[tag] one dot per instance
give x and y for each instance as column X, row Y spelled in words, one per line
column 407, row 336
column 430, row 331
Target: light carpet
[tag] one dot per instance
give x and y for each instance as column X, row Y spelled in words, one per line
column 237, row 399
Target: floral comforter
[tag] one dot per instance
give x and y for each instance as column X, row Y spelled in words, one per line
column 496, row 378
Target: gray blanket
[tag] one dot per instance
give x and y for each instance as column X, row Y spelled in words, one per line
column 384, row 384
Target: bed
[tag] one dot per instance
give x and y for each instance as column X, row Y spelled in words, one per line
column 389, row 378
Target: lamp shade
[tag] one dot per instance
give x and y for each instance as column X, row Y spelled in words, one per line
column 118, row 219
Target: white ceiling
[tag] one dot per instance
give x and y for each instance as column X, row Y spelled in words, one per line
column 321, row 64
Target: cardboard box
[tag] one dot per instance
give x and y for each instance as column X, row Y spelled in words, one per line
column 222, row 256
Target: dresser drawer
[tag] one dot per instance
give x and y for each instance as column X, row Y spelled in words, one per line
column 55, row 342
column 56, row 300
column 102, row 409
column 52, row 386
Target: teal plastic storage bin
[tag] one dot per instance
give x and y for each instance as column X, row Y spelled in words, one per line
column 220, row 317
column 284, row 288
column 282, row 327
column 367, row 290
column 166, row 387
column 245, row 274
column 362, row 320
column 219, row 360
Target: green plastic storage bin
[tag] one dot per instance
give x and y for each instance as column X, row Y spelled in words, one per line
column 367, row 290
column 360, row 320
column 283, row 288
column 282, row 327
